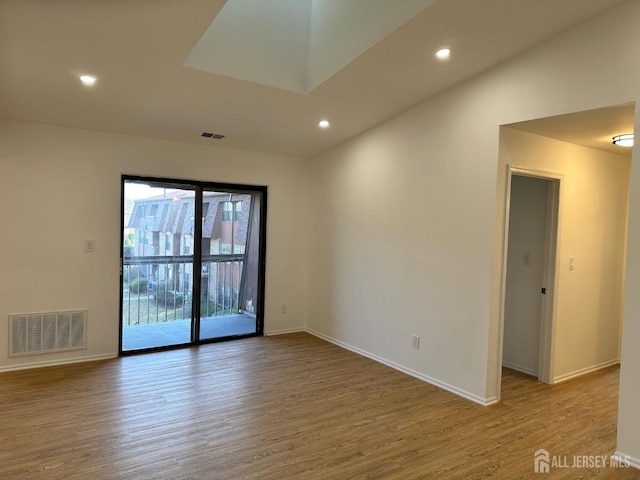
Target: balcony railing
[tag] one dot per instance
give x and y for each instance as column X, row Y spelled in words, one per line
column 160, row 288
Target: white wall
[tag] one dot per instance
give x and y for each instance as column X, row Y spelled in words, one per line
column 406, row 222
column 593, row 214
column 401, row 231
column 628, row 411
column 60, row 186
column 523, row 298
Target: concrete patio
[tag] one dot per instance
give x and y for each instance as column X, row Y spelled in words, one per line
column 138, row 337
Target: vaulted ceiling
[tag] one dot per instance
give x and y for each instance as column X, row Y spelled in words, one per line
column 174, row 69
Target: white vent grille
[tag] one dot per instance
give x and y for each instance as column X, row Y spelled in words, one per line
column 34, row 333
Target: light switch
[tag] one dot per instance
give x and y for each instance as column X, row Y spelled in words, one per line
column 572, row 263
column 526, row 258
column 89, row 246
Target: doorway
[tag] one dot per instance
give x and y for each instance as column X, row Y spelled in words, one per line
column 192, row 263
column 587, row 299
column 531, row 247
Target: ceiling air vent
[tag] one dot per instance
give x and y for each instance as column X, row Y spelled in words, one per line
column 217, row 136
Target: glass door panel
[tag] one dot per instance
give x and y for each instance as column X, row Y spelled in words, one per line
column 229, row 285
column 157, row 264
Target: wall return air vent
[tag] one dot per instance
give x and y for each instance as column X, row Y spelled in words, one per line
column 35, row 333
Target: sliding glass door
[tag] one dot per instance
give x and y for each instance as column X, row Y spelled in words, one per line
column 192, row 262
column 230, row 246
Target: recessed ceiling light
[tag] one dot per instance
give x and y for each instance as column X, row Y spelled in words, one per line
column 443, row 53
column 87, row 79
column 625, row 140
column 324, row 124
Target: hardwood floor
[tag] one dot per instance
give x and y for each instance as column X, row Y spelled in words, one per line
column 289, row 407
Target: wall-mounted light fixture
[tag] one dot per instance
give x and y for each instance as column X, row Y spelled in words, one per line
column 625, row 140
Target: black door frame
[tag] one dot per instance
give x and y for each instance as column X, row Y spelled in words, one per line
column 199, row 187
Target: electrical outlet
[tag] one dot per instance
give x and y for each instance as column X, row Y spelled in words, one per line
column 283, row 308
column 416, row 342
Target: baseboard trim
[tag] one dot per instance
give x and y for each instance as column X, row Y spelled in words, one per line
column 284, row 331
column 518, row 368
column 623, row 457
column 584, row 371
column 53, row 363
column 485, row 402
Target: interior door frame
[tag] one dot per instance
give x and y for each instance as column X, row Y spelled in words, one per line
column 550, row 274
column 200, row 187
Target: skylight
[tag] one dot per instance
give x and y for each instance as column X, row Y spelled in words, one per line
column 295, row 44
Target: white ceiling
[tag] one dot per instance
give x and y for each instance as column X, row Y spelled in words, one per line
column 591, row 128
column 138, row 49
column 296, row 44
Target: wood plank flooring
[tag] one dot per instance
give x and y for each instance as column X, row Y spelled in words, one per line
column 289, row 407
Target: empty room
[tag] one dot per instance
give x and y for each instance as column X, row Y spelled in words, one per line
column 293, row 239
